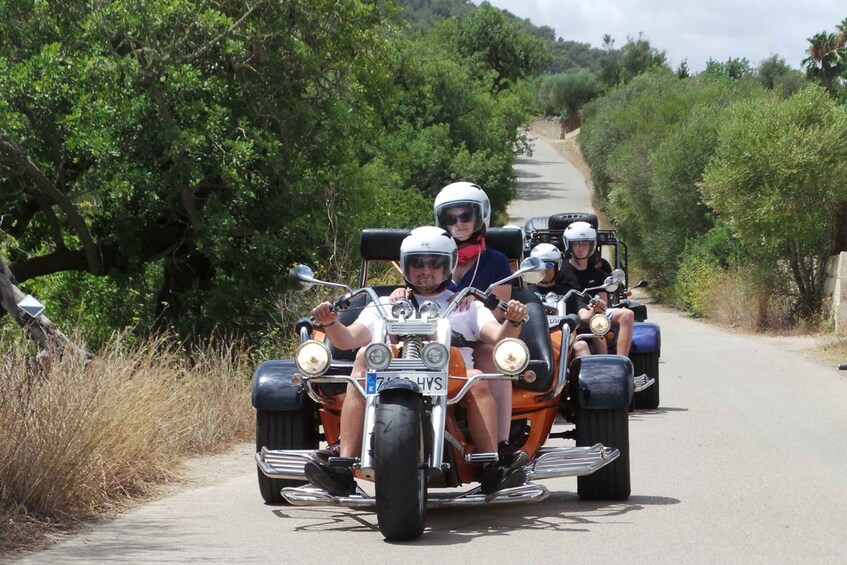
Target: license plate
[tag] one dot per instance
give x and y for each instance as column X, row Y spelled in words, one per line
column 430, row 384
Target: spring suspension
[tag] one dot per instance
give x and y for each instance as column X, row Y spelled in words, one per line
column 412, row 347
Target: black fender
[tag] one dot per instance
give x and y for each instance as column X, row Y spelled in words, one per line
column 646, row 338
column 272, row 386
column 602, row 382
column 398, row 385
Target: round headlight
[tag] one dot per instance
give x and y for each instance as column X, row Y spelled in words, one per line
column 312, row 357
column 511, row 356
column 599, row 324
column 378, row 356
column 402, row 309
column 435, row 355
column 430, row 309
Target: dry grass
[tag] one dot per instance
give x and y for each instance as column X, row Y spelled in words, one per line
column 78, row 440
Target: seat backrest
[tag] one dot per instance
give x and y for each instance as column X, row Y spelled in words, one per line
column 535, row 333
column 508, row 241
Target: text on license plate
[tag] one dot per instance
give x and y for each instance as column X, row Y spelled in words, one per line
column 430, row 384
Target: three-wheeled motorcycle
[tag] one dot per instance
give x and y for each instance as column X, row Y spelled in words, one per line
column 416, row 435
column 646, row 347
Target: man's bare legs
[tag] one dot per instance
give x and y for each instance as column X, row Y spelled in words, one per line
column 501, row 391
column 624, row 319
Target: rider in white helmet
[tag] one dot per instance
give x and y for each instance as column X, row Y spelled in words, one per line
column 580, row 240
column 427, row 257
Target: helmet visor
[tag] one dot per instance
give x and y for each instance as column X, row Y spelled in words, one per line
column 426, row 271
column 460, row 218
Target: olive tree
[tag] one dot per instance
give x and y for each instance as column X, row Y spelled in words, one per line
column 777, row 180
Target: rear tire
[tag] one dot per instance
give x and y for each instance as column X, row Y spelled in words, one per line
column 646, row 363
column 282, row 430
column 400, row 467
column 611, row 428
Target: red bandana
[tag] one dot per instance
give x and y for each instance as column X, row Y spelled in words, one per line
column 471, row 251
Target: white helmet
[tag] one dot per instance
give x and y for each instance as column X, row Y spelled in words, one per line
column 461, row 195
column 548, row 252
column 580, row 231
column 429, row 243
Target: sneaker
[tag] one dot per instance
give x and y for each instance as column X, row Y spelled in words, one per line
column 497, row 476
column 511, row 458
column 337, row 481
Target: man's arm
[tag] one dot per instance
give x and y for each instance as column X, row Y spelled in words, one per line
column 343, row 337
column 493, row 331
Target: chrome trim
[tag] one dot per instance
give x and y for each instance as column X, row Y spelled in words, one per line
column 570, row 461
column 642, row 382
column 284, row 464
column 311, row 496
column 415, row 327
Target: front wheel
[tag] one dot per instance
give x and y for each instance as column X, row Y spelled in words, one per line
column 290, row 429
column 646, row 364
column 611, row 428
column 400, row 466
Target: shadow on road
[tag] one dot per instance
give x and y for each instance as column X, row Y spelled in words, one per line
column 561, row 512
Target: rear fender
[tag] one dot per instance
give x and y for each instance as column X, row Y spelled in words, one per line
column 602, row 382
column 646, row 338
column 272, row 386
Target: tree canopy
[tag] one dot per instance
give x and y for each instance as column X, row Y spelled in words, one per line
column 169, row 161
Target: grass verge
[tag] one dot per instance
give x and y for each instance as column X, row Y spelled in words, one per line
column 79, row 440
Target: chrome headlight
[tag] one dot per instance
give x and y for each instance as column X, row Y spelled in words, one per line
column 430, row 309
column 511, row 356
column 402, row 309
column 435, row 355
column 378, row 356
column 599, row 324
column 312, row 357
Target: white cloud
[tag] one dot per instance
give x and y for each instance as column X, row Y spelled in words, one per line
column 692, row 30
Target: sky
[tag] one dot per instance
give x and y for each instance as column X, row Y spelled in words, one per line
column 696, row 30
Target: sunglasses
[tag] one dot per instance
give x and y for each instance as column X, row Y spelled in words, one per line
column 550, row 264
column 420, row 263
column 464, row 217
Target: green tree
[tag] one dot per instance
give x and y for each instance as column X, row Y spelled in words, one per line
column 777, row 180
column 565, row 94
column 498, row 46
column 637, row 56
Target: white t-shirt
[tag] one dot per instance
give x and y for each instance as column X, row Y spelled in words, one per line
column 466, row 323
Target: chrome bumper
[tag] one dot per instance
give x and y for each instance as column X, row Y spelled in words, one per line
column 284, row 464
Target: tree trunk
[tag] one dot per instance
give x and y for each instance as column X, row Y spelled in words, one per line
column 41, row 329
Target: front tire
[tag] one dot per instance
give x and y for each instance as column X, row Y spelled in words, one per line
column 611, row 428
column 282, row 430
column 400, row 467
column 646, row 363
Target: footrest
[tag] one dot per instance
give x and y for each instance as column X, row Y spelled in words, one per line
column 642, row 382
column 571, row 461
column 342, row 461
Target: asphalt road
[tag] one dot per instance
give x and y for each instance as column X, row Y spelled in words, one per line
column 744, row 462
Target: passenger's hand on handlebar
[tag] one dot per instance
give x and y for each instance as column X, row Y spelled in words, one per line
column 399, row 294
column 464, row 304
column 323, row 314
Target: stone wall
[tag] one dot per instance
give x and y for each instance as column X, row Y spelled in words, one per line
column 554, row 128
column 836, row 289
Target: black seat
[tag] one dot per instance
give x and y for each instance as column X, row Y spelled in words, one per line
column 536, row 335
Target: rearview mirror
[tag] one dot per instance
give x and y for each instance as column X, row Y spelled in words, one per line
column 301, row 278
